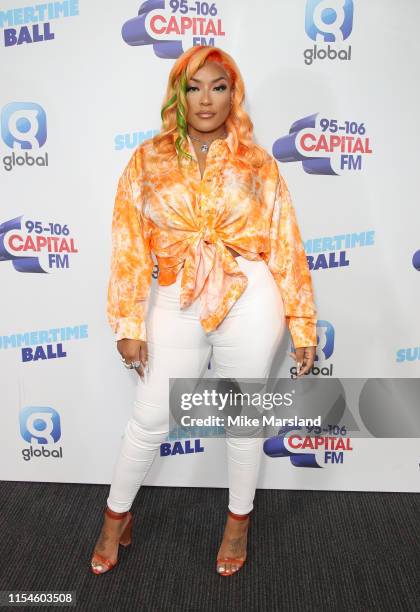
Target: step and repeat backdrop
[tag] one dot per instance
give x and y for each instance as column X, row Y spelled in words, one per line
column 334, row 95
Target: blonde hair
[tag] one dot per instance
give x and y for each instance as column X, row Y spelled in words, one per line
column 172, row 139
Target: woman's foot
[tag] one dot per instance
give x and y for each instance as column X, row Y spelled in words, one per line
column 108, row 541
column 233, row 545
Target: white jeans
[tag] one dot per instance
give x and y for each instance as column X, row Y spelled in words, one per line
column 243, row 346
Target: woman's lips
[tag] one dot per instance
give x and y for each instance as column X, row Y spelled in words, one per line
column 206, row 115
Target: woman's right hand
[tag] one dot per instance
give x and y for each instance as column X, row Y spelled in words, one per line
column 134, row 350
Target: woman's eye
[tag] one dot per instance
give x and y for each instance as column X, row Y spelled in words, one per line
column 217, row 88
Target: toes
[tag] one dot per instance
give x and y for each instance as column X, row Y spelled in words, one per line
column 228, row 568
column 224, row 567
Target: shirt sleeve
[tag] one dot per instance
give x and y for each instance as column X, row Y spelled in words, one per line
column 288, row 264
column 131, row 261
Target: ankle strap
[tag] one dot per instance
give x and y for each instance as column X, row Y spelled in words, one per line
column 239, row 517
column 115, row 515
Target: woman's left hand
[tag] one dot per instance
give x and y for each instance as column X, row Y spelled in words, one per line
column 304, row 357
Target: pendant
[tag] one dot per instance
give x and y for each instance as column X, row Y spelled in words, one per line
column 204, row 148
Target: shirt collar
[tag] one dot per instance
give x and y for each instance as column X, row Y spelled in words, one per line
column 218, row 146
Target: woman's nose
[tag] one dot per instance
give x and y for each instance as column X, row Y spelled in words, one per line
column 205, row 98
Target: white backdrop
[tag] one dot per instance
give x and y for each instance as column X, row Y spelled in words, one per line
column 81, row 89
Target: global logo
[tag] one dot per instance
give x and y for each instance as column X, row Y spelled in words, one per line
column 23, row 127
column 34, row 246
column 307, row 451
column 325, row 337
column 328, row 21
column 325, row 348
column 324, row 145
column 40, row 427
column 173, row 26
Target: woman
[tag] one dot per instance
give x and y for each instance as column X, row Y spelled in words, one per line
column 213, row 208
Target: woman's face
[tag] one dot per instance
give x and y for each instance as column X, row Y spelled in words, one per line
column 209, row 96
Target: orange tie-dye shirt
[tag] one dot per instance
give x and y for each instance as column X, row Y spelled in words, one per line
column 185, row 219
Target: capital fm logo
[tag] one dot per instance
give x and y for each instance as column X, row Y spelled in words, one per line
column 32, row 24
column 308, row 451
column 325, row 145
column 24, row 130
column 35, row 246
column 329, row 23
column 172, row 26
column 410, row 354
column 40, row 427
column 325, row 348
column 416, row 260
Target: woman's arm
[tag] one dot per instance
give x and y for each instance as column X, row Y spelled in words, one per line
column 287, row 262
column 131, row 260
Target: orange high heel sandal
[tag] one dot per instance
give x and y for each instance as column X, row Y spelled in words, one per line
column 125, row 539
column 239, row 562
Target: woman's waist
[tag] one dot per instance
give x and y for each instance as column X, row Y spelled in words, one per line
column 260, row 289
column 172, row 262
column 175, row 249
column 169, row 280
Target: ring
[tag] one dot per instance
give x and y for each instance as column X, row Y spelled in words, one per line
column 132, row 365
column 127, row 365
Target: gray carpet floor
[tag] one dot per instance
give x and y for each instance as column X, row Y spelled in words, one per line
column 307, row 550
